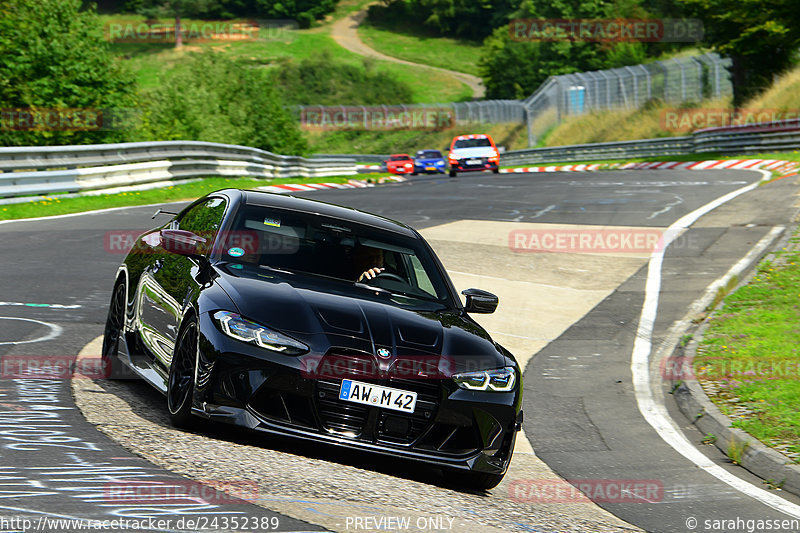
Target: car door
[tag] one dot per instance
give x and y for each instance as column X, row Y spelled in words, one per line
column 166, row 287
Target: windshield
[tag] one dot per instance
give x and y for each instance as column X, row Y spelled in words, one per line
column 429, row 154
column 399, row 158
column 472, row 143
column 302, row 243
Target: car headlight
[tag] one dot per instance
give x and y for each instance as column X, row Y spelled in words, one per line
column 408, row 165
column 498, row 380
column 238, row 328
column 440, row 163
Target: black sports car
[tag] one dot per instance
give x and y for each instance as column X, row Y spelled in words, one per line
column 258, row 309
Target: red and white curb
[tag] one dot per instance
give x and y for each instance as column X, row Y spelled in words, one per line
column 369, row 167
column 784, row 168
column 302, row 187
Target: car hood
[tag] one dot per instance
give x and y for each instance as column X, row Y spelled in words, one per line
column 340, row 323
column 478, row 151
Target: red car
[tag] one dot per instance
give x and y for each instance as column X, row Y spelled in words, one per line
column 400, row 164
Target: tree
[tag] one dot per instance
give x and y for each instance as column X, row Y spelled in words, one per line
column 210, row 97
column 177, row 9
column 466, row 19
column 760, row 36
column 513, row 68
column 54, row 60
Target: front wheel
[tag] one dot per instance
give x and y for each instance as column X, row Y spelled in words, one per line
column 180, row 385
column 115, row 323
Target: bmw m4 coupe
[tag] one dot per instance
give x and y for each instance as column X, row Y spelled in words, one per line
column 296, row 317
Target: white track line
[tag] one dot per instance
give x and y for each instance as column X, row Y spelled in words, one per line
column 654, row 412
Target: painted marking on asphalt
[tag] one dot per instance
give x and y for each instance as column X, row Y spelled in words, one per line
column 543, row 211
column 666, row 208
column 55, row 330
column 51, row 306
column 656, row 413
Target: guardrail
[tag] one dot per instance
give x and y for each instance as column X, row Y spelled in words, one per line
column 744, row 139
column 51, row 169
column 360, row 158
column 598, row 151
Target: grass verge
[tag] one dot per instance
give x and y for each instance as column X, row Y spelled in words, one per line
column 404, row 41
column 57, row 205
column 747, row 360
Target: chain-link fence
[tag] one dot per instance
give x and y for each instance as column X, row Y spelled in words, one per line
column 677, row 80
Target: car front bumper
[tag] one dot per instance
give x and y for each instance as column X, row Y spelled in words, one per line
column 450, row 427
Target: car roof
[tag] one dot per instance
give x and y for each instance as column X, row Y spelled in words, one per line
column 473, row 136
column 306, row 205
column 400, row 155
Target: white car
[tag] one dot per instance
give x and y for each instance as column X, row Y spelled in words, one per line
column 473, row 152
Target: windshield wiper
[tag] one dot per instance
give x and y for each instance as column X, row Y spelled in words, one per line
column 276, row 269
column 371, row 288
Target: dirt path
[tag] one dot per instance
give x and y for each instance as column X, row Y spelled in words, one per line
column 344, row 31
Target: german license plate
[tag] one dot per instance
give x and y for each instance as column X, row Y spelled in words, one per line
column 378, row 396
column 430, row 168
column 474, row 161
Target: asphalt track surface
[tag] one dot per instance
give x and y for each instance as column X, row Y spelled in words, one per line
column 580, row 411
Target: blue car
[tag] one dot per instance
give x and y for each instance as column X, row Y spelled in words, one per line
column 429, row 162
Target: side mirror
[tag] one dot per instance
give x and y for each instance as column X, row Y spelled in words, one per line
column 181, row 242
column 479, row 301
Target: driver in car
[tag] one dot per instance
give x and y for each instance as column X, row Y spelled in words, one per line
column 368, row 262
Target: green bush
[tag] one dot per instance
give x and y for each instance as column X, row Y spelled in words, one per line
column 53, row 58
column 213, row 98
column 322, row 81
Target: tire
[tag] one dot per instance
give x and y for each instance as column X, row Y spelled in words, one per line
column 496, row 170
column 180, row 384
column 452, row 173
column 478, row 481
column 112, row 367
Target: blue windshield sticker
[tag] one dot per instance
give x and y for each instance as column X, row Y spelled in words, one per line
column 236, row 252
column 272, row 222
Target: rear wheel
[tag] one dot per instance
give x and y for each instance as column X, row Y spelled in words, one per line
column 496, row 170
column 180, row 385
column 115, row 322
column 452, row 173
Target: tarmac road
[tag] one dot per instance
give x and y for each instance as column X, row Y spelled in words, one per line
column 570, row 315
